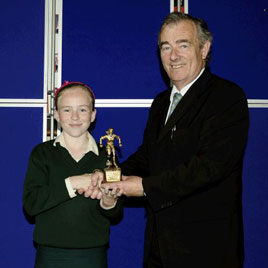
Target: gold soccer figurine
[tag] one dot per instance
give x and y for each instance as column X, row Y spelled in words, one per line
column 112, row 171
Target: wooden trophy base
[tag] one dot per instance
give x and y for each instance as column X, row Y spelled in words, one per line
column 112, row 174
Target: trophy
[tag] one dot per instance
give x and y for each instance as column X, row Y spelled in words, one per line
column 112, row 172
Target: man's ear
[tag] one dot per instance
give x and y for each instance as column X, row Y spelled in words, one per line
column 205, row 49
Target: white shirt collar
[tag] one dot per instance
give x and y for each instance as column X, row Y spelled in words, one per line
column 91, row 146
column 184, row 89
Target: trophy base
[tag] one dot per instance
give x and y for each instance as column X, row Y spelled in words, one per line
column 112, row 174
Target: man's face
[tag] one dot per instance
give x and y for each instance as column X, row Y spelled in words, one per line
column 181, row 54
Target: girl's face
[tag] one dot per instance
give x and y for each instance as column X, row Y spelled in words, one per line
column 75, row 112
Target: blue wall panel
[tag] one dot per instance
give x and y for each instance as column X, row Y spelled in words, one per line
column 128, row 123
column 21, row 130
column 22, row 49
column 239, row 51
column 112, row 45
column 255, row 191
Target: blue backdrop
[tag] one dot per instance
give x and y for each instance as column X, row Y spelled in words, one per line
column 112, row 46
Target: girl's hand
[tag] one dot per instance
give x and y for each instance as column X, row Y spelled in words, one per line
column 109, row 195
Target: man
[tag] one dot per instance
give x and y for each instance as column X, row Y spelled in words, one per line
column 189, row 165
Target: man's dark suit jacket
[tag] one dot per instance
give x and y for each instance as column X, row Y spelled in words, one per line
column 192, row 169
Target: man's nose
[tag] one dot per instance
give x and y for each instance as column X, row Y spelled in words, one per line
column 174, row 54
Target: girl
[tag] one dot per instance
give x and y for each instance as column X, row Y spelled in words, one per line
column 71, row 231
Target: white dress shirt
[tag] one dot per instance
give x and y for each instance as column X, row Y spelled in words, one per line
column 182, row 91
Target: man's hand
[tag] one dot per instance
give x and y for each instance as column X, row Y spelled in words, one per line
column 129, row 186
column 93, row 191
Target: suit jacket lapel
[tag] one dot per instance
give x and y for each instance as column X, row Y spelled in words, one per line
column 188, row 100
column 179, row 111
column 164, row 110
